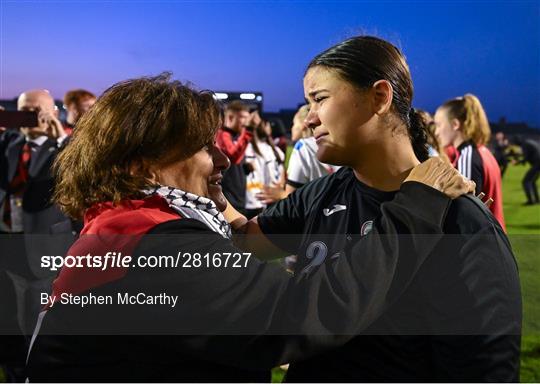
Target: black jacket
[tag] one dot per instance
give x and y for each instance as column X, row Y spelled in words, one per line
column 230, row 323
column 39, row 213
column 459, row 319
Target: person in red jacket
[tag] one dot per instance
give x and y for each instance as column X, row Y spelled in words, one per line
column 462, row 122
column 233, row 139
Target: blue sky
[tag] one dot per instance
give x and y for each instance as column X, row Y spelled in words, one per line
column 489, row 48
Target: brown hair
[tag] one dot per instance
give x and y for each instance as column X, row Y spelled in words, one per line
column 261, row 135
column 150, row 120
column 364, row 60
column 432, row 140
column 75, row 96
column 236, row 106
column 469, row 112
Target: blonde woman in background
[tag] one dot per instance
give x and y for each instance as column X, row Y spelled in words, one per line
column 462, row 123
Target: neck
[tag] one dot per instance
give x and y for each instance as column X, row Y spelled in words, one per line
column 387, row 165
column 458, row 140
column 32, row 136
column 234, row 129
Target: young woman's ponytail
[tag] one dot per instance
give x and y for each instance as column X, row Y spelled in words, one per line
column 418, row 135
column 469, row 112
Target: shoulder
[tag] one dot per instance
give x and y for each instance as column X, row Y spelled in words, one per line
column 180, row 226
column 128, row 217
column 266, row 149
column 341, row 175
column 468, row 215
column 10, row 135
column 487, row 158
column 223, row 132
column 466, row 150
column 306, row 144
column 329, row 183
column 187, row 235
column 484, row 152
column 531, row 144
column 299, row 144
column 250, row 152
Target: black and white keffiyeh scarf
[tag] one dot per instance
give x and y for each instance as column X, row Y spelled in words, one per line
column 192, row 206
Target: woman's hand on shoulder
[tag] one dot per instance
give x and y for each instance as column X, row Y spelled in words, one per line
column 442, row 176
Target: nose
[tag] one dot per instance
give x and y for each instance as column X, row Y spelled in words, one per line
column 312, row 119
column 221, row 161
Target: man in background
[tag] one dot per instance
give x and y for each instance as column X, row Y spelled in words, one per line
column 233, row 139
column 26, row 185
column 530, row 150
column 499, row 151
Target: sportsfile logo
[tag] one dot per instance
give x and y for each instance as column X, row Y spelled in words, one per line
column 337, row 208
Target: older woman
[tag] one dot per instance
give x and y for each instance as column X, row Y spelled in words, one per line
column 142, row 169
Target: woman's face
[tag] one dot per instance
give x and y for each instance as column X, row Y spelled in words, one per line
column 445, row 131
column 200, row 174
column 340, row 116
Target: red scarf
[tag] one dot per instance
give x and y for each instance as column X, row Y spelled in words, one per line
column 110, row 228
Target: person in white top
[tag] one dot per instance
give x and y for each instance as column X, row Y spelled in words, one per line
column 266, row 161
column 303, row 164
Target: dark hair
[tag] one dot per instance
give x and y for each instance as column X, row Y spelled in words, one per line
column 364, row 60
column 261, row 135
column 150, row 120
column 430, row 126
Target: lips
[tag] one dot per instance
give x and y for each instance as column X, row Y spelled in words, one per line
column 320, row 136
column 215, row 180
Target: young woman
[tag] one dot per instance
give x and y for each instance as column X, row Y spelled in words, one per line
column 460, row 317
column 463, row 124
column 266, row 161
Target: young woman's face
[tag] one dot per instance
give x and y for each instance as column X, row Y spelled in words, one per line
column 445, row 131
column 340, row 116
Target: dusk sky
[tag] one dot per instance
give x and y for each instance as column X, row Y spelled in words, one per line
column 489, row 48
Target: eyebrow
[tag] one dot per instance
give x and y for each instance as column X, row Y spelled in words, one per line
column 313, row 93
